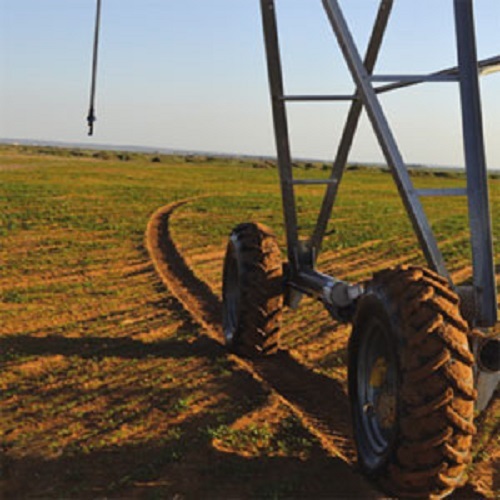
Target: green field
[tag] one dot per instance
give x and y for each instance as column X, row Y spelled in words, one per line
column 111, row 389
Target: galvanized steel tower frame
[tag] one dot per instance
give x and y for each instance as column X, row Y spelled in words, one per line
column 302, row 255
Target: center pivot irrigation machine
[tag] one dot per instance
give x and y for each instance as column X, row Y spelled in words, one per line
column 419, row 366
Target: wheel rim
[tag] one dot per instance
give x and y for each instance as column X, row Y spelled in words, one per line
column 231, row 296
column 376, row 394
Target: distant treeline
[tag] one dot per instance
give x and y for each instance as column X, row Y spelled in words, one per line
column 200, row 159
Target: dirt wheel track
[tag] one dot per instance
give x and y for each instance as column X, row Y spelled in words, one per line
column 318, row 401
column 302, row 390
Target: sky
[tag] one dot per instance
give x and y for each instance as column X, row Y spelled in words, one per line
column 191, row 75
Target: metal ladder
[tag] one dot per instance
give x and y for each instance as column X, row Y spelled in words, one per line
column 303, row 254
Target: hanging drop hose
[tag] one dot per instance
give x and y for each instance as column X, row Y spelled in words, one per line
column 91, row 116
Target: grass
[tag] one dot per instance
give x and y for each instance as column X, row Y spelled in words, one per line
column 284, row 437
column 108, row 386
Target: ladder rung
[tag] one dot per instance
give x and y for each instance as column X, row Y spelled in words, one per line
column 442, row 192
column 340, row 97
column 314, row 181
column 415, row 78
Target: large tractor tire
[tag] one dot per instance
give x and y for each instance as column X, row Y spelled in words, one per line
column 252, row 291
column 411, row 384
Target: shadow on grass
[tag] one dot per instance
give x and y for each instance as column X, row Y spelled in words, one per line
column 318, row 395
column 188, row 466
column 163, row 472
column 102, row 347
column 184, row 460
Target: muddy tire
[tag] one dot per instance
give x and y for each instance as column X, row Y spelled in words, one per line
column 411, row 384
column 252, row 291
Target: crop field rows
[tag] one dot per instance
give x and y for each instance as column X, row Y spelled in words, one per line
column 111, row 387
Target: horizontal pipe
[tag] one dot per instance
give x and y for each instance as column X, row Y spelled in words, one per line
column 319, row 98
column 485, row 66
column 442, row 192
column 489, row 66
column 433, row 77
column 314, row 181
column 329, row 290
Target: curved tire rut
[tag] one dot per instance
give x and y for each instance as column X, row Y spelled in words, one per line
column 317, row 400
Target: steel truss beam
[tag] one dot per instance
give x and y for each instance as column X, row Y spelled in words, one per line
column 303, row 254
column 475, row 163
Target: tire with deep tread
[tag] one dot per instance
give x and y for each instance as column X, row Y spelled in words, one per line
column 252, row 291
column 428, row 445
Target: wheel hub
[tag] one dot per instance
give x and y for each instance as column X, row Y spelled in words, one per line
column 383, row 408
column 377, row 392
